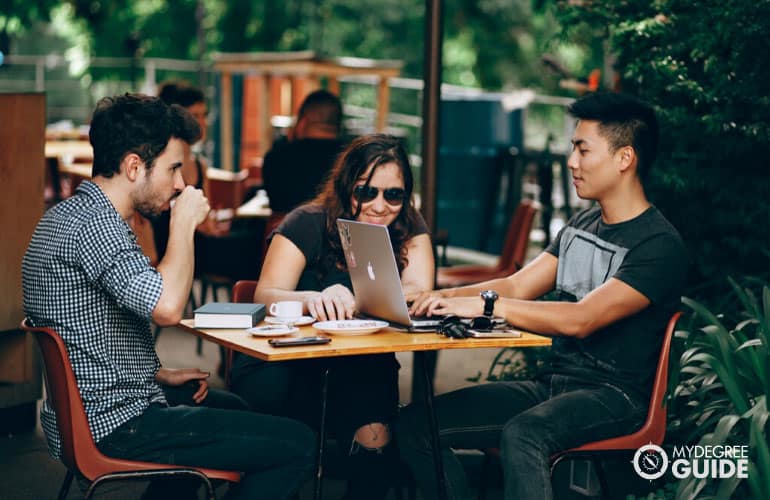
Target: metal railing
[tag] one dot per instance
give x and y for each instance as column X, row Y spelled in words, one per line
column 72, row 94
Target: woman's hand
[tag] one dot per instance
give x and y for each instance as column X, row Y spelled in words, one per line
column 181, row 376
column 333, row 303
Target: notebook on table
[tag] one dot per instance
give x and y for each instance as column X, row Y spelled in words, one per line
column 375, row 277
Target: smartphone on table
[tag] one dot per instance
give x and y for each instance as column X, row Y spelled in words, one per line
column 299, row 341
column 493, row 334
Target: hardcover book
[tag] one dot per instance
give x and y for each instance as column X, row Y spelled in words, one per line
column 229, row 315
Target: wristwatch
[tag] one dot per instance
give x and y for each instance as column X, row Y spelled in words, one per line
column 489, row 296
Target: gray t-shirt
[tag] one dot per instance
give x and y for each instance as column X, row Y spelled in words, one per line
column 647, row 254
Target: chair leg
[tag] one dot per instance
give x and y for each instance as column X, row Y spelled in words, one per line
column 65, row 485
column 605, row 493
column 486, row 466
column 150, row 474
column 204, row 293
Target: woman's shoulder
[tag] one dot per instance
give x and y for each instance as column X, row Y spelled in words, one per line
column 308, row 213
column 304, row 226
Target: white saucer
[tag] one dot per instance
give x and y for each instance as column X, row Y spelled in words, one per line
column 272, row 330
column 350, row 326
column 303, row 320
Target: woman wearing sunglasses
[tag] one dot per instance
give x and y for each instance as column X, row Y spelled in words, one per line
column 370, row 182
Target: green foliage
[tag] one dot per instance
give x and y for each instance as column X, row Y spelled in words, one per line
column 705, row 65
column 720, row 390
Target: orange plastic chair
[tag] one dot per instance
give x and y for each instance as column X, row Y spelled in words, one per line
column 511, row 258
column 652, row 431
column 79, row 452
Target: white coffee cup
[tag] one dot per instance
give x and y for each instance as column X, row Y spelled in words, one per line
column 287, row 310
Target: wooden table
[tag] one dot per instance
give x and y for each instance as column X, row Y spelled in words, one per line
column 383, row 342
column 82, row 170
column 255, row 208
column 69, row 150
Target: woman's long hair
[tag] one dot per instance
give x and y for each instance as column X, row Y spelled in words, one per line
column 372, row 150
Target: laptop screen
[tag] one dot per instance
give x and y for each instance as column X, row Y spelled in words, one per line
column 373, row 271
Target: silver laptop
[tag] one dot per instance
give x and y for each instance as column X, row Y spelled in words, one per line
column 374, row 275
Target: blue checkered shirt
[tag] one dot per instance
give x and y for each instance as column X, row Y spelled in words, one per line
column 85, row 276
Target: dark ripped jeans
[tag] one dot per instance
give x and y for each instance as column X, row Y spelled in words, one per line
column 277, row 454
column 529, row 421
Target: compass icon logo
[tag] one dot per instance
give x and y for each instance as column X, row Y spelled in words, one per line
column 650, row 461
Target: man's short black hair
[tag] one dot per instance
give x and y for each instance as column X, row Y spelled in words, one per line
column 181, row 93
column 136, row 123
column 623, row 120
column 322, row 108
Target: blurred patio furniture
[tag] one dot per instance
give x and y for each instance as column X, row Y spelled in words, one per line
column 511, row 258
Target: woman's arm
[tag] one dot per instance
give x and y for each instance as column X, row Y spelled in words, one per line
column 281, row 270
column 418, row 275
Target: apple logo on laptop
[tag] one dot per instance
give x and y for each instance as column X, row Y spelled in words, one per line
column 370, row 270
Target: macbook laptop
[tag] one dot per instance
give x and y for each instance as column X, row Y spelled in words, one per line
column 374, row 275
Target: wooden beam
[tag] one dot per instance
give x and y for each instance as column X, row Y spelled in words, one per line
column 226, row 121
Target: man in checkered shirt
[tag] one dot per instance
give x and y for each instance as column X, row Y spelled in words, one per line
column 85, row 276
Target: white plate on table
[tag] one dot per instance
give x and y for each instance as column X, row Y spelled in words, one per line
column 350, row 326
column 272, row 330
column 303, row 320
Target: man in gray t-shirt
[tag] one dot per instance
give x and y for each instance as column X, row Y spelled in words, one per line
column 618, row 271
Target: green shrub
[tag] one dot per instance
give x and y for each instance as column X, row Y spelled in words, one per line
column 719, row 391
column 705, row 65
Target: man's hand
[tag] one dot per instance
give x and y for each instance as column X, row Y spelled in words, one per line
column 465, row 307
column 420, row 301
column 176, row 377
column 333, row 303
column 191, row 205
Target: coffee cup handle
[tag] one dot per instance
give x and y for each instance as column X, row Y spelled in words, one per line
column 273, row 309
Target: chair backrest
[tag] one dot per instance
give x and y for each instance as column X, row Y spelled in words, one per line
column 517, row 237
column 225, row 189
column 654, row 428
column 77, row 443
column 243, row 290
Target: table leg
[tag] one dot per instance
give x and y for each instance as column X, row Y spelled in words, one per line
column 321, row 437
column 438, row 461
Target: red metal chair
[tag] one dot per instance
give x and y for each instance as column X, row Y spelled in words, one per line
column 652, row 431
column 79, row 452
column 511, row 258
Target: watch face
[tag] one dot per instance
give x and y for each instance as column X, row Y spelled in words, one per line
column 489, row 295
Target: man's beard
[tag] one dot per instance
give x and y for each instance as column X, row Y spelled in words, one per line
column 145, row 203
column 148, row 210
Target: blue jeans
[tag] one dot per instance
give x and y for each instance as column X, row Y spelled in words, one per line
column 529, row 421
column 277, row 454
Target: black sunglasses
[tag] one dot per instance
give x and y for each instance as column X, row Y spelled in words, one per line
column 393, row 196
column 454, row 326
